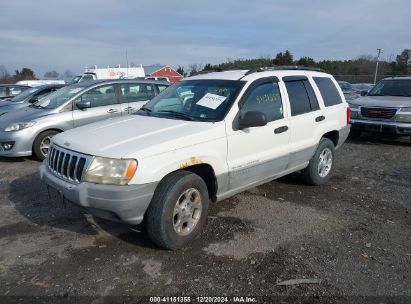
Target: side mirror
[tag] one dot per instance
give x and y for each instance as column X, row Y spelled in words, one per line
column 33, row 100
column 82, row 105
column 252, row 119
column 364, row 93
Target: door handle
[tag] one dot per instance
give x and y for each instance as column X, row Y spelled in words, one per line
column 281, row 130
column 129, row 108
column 112, row 111
column 320, row 118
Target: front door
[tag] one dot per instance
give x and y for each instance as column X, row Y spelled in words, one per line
column 103, row 104
column 258, row 153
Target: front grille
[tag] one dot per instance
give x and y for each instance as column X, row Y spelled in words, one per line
column 67, row 164
column 381, row 113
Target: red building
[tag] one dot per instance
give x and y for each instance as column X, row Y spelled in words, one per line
column 163, row 71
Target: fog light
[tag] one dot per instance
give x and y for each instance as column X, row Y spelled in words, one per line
column 6, row 146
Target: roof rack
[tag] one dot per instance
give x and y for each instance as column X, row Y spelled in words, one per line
column 282, row 68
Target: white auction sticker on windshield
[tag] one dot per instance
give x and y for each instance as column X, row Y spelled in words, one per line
column 211, row 101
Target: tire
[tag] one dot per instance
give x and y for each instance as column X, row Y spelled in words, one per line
column 168, row 220
column 355, row 133
column 313, row 174
column 41, row 144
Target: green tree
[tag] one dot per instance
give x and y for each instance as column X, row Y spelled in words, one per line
column 181, row 71
column 24, row 74
column 285, row 58
column 306, row 61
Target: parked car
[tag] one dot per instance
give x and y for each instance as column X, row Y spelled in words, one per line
column 385, row 109
column 348, row 90
column 28, row 131
column 359, row 88
column 11, row 90
column 165, row 163
column 27, row 98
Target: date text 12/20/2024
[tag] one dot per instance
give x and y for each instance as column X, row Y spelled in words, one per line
column 201, row 299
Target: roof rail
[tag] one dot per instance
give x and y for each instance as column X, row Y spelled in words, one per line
column 282, row 68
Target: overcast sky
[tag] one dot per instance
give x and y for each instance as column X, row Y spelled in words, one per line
column 49, row 34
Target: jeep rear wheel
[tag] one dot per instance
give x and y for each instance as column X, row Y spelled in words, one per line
column 178, row 210
column 321, row 164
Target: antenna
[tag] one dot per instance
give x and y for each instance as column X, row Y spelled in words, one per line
column 127, row 61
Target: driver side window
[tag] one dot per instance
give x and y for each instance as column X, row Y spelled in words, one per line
column 100, row 96
column 265, row 98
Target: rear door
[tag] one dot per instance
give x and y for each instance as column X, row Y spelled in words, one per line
column 103, row 104
column 335, row 109
column 134, row 95
column 305, row 119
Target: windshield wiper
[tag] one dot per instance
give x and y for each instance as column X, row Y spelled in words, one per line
column 147, row 110
column 177, row 114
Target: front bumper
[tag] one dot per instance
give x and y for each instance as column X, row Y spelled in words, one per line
column 126, row 204
column 379, row 126
column 23, row 142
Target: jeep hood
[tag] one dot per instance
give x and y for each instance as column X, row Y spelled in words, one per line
column 135, row 136
column 382, row 101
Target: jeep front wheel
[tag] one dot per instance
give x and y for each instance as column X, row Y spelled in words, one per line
column 178, row 210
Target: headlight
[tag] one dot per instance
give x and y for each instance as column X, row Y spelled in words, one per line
column 111, row 171
column 354, row 111
column 354, row 106
column 19, row 126
column 404, row 115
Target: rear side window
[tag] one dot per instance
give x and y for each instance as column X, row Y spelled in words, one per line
column 302, row 97
column 161, row 87
column 136, row 92
column 328, row 91
column 15, row 91
column 265, row 98
column 100, row 96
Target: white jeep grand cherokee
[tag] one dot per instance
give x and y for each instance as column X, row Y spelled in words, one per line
column 202, row 140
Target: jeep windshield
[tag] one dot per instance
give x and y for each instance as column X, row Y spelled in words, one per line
column 392, row 87
column 58, row 98
column 195, row 100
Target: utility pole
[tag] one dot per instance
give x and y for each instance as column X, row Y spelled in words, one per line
column 376, row 67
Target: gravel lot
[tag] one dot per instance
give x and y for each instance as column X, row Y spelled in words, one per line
column 353, row 236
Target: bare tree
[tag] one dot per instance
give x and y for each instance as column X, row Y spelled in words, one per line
column 68, row 74
column 3, row 72
column 194, row 69
column 51, row 74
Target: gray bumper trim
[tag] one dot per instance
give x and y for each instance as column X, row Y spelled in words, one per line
column 343, row 135
column 117, row 203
